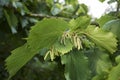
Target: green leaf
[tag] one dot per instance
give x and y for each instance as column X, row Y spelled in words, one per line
column 56, row 9
column 24, row 22
column 72, row 2
column 115, row 73
column 80, row 23
column 103, row 64
column 76, row 66
column 18, row 59
column 83, row 9
column 102, row 38
column 113, row 26
column 99, row 62
column 63, row 48
column 33, row 20
column 12, row 20
column 102, row 20
column 69, row 9
column 46, row 32
column 117, row 59
column 49, row 2
column 102, row 76
column 20, row 7
column 101, row 0
column 112, row 1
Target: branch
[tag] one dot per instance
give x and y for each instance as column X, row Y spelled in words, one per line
column 118, row 6
column 47, row 16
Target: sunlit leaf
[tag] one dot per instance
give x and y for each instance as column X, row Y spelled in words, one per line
column 63, row 48
column 117, row 59
column 115, row 73
column 49, row 2
column 102, row 38
column 18, row 59
column 46, row 32
column 102, row 76
column 79, row 23
column 82, row 9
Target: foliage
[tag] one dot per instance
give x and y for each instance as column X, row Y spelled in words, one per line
column 60, row 33
column 113, row 26
column 76, row 66
column 99, row 36
column 40, row 38
column 61, row 42
column 105, row 18
column 24, row 54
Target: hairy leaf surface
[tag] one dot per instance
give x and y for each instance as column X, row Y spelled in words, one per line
column 46, row 32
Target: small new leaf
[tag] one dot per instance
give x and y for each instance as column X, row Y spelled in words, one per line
column 80, row 22
column 63, row 48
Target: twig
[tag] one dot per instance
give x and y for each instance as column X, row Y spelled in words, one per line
column 118, row 6
column 47, row 16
